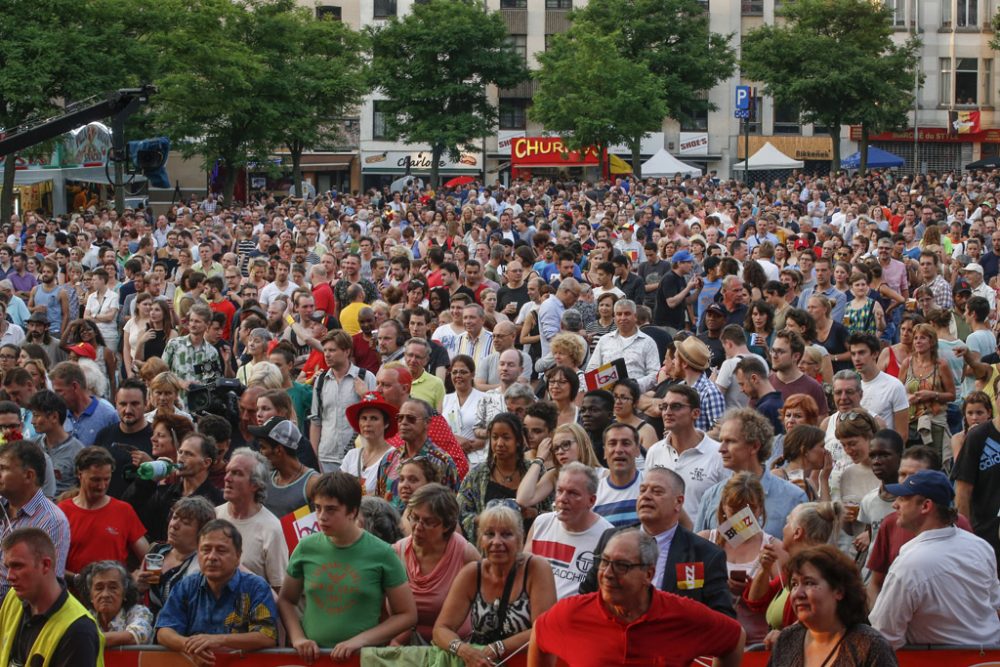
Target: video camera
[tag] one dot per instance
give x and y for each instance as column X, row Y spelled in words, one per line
column 221, row 397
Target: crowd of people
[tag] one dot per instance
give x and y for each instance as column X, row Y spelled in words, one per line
column 628, row 422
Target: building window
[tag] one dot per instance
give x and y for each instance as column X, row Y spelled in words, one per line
column 898, row 9
column 558, row 4
column 752, row 7
column 967, row 14
column 786, row 120
column 513, row 113
column 757, row 113
column 694, row 120
column 329, row 12
column 519, row 43
column 513, row 4
column 966, row 81
column 944, row 87
column 384, row 9
column 987, row 97
column 380, row 128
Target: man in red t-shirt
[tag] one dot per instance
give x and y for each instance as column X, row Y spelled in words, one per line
column 322, row 292
column 629, row 622
column 220, row 304
column 101, row 527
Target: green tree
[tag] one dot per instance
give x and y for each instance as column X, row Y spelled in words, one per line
column 53, row 52
column 832, row 60
column 215, row 98
column 592, row 94
column 318, row 75
column 672, row 38
column 434, row 66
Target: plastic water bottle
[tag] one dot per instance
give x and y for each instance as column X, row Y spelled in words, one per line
column 156, row 470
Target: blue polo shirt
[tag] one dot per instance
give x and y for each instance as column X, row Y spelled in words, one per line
column 245, row 605
column 91, row 421
column 780, row 498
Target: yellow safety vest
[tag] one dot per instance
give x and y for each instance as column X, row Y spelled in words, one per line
column 52, row 632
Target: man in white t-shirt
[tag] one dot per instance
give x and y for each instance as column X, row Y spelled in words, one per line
column 567, row 536
column 734, row 342
column 686, row 450
column 881, row 394
column 264, row 551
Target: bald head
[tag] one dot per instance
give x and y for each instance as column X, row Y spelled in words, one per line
column 503, row 336
column 510, row 367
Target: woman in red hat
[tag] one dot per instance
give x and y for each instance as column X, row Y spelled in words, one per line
column 375, row 420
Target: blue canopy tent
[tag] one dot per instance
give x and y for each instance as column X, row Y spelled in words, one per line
column 877, row 159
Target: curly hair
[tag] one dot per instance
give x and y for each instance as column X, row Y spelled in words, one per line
column 841, row 574
column 754, row 427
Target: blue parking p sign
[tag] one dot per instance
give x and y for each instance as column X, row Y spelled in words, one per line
column 742, row 97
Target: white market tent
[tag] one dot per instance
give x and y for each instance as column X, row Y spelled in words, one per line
column 663, row 164
column 769, row 157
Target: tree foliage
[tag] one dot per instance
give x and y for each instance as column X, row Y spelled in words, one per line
column 672, row 39
column 834, row 61
column 215, row 96
column 592, row 94
column 318, row 74
column 54, row 52
column 434, row 66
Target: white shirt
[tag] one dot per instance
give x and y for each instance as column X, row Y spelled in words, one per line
column 570, row 554
column 271, row 291
column 700, row 466
column 462, row 418
column 642, row 358
column 726, row 380
column 883, row 397
column 264, row 550
column 771, row 269
column 942, row 589
column 103, row 306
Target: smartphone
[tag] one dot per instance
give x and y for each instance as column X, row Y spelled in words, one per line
column 738, row 575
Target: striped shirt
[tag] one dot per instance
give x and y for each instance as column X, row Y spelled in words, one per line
column 39, row 512
column 478, row 349
column 617, row 503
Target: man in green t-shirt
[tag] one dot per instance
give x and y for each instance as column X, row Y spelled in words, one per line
column 346, row 575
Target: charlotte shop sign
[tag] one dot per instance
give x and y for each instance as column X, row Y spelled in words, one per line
column 420, row 161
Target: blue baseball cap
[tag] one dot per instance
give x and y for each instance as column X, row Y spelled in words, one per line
column 931, row 484
column 681, row 256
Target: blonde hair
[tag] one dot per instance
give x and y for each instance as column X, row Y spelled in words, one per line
column 819, row 521
column 569, row 344
column 504, row 517
column 587, row 456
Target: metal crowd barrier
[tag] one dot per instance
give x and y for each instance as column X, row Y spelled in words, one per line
column 156, row 656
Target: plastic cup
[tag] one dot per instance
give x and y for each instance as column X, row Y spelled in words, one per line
column 153, row 563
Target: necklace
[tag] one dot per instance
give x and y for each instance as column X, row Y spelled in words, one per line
column 506, row 478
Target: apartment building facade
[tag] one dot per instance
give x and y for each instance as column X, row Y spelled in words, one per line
column 956, row 61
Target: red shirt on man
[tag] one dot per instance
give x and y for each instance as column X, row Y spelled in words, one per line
column 102, row 534
column 673, row 632
column 323, row 294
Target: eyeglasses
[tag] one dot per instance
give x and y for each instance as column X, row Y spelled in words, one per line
column 622, row 399
column 562, row 446
column 7, row 356
column 851, row 416
column 408, row 419
column 426, row 523
column 555, row 382
column 673, row 407
column 619, row 567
